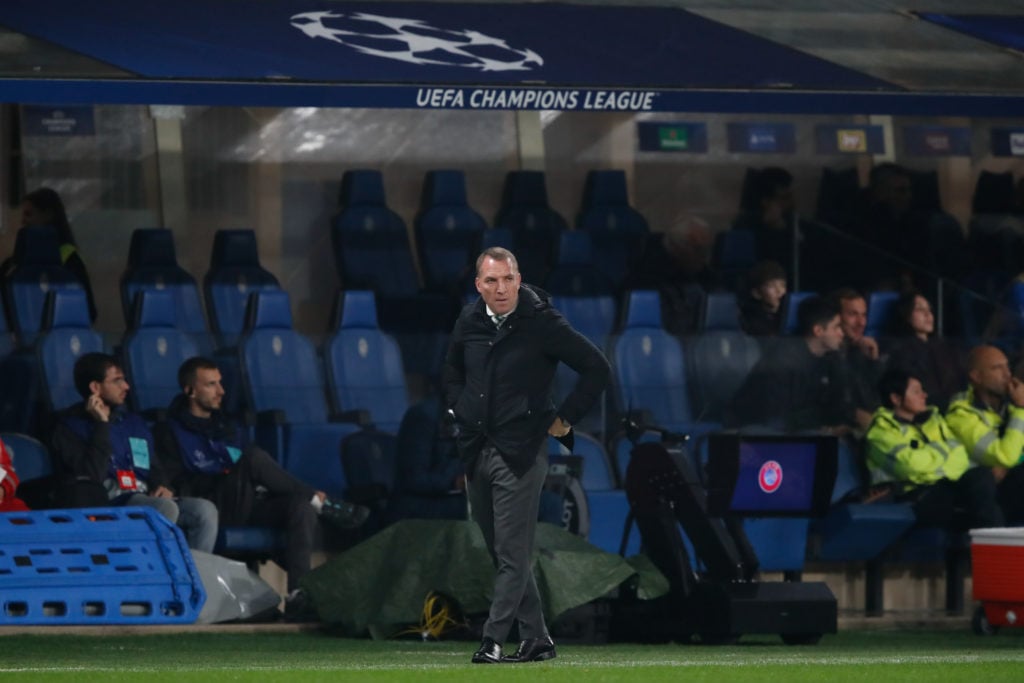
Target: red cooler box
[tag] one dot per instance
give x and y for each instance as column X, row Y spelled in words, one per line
column 997, row 557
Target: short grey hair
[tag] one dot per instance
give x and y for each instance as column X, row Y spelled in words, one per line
column 498, row 254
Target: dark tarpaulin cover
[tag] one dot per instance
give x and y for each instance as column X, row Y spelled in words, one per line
column 380, row 585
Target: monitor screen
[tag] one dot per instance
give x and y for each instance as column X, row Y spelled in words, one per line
column 770, row 475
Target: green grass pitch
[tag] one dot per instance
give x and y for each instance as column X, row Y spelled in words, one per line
column 309, row 657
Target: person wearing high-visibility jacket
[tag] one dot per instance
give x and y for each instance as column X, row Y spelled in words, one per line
column 988, row 419
column 912, row 448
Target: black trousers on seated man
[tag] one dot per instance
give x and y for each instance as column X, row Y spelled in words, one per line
column 287, row 506
column 969, row 502
column 505, row 508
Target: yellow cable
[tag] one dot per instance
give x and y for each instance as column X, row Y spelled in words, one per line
column 436, row 618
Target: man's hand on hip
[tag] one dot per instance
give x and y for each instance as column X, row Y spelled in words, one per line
column 559, row 428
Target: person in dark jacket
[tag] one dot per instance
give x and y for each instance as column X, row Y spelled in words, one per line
column 795, row 385
column 44, row 207
column 205, row 454
column 859, row 361
column 497, row 377
column 761, row 304
column 917, row 351
column 98, row 443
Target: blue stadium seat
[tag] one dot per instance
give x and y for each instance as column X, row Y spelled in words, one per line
column 235, row 271
column 447, row 231
column 30, row 456
column 37, row 271
column 364, row 365
column 497, row 237
column 534, row 224
column 153, row 265
column 371, row 243
column 648, row 363
column 284, row 384
column 609, row 509
column 719, row 363
column 371, row 248
column 574, row 273
column 618, row 231
column 154, row 349
column 67, row 335
column 858, row 532
column 734, row 252
column 791, row 310
column 721, row 312
column 649, row 366
column 880, row 311
column 593, row 317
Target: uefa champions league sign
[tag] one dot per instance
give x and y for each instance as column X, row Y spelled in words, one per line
column 414, row 41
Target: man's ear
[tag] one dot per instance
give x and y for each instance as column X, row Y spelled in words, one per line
column 895, row 401
column 95, row 387
column 188, row 391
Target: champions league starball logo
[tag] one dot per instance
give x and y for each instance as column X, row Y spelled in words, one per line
column 769, row 478
column 416, row 42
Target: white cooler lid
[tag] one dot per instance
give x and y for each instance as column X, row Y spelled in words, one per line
column 998, row 536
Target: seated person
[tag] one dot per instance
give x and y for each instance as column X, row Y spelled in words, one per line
column 102, row 445
column 206, row 455
column 429, row 469
column 910, row 446
column 761, row 305
column 859, row 364
column 795, row 386
column 769, row 212
column 9, row 501
column 916, row 350
column 45, row 207
column 988, row 419
column 677, row 263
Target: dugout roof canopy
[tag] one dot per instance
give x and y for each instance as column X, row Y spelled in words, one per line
column 945, row 57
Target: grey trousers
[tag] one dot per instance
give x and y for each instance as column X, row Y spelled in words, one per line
column 505, row 508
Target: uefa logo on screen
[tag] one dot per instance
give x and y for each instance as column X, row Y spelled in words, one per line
column 769, row 478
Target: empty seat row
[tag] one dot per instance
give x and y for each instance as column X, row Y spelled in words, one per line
column 372, row 247
column 234, row 272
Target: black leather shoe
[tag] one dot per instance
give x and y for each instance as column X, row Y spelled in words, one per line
column 489, row 653
column 533, row 650
column 343, row 514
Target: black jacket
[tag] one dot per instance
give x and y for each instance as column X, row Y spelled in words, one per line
column 792, row 389
column 88, row 457
column 232, row 490
column 498, row 382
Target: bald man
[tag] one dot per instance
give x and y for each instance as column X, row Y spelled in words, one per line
column 988, row 419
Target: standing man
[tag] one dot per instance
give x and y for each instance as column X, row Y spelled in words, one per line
column 988, row 419
column 497, row 380
column 99, row 443
column 206, row 454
